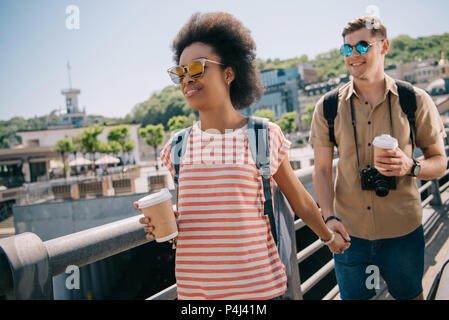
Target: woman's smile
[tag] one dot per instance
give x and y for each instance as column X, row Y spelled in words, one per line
column 191, row 90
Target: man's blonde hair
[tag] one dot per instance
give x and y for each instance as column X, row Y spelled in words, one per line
column 370, row 22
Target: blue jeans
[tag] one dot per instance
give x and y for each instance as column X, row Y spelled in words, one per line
column 400, row 262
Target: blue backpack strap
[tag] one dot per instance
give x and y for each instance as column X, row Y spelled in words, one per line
column 178, row 149
column 259, row 146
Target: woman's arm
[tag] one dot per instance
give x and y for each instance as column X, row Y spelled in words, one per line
column 304, row 206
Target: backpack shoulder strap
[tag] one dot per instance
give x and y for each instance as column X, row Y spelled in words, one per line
column 407, row 100
column 178, row 149
column 260, row 149
column 330, row 107
column 258, row 143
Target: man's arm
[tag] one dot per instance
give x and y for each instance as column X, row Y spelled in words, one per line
column 435, row 161
column 433, row 166
column 323, row 179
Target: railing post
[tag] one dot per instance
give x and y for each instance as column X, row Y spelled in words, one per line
column 29, row 267
column 435, row 189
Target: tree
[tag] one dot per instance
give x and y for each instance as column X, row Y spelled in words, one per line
column 162, row 106
column 179, row 122
column 154, row 136
column 77, row 148
column 90, row 143
column 64, row 146
column 264, row 113
column 288, row 122
column 120, row 136
column 307, row 117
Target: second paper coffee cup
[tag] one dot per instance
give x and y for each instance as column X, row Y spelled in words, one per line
column 159, row 209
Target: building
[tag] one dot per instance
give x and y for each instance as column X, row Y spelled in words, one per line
column 421, row 73
column 281, row 89
column 72, row 116
column 312, row 92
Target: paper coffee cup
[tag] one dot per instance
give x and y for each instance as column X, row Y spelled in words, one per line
column 159, row 209
column 384, row 142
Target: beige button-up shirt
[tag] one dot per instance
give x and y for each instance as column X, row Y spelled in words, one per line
column 364, row 214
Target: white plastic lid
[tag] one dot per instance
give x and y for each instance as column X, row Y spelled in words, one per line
column 154, row 198
column 385, row 141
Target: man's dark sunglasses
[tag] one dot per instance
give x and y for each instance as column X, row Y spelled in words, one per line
column 362, row 47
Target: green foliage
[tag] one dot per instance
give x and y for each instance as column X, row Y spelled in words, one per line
column 122, row 137
column 406, row 49
column 161, row 107
column 329, row 64
column 104, row 147
column 115, row 147
column 287, row 123
column 307, row 118
column 89, row 139
column 153, row 135
column 283, row 64
column 64, row 146
column 264, row 113
column 179, row 122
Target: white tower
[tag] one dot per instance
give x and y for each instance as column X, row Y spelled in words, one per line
column 73, row 116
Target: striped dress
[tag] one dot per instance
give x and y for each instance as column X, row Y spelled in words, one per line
column 225, row 249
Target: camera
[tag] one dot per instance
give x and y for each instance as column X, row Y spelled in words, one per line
column 373, row 180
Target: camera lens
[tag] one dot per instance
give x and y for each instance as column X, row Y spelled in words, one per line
column 381, row 188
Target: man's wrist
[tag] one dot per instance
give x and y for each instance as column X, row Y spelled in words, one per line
column 415, row 168
column 331, row 217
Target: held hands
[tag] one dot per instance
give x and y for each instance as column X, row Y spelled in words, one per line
column 146, row 221
column 342, row 239
column 395, row 162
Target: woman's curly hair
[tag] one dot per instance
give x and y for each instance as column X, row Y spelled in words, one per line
column 232, row 41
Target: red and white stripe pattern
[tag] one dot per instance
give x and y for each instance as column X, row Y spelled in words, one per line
column 225, row 249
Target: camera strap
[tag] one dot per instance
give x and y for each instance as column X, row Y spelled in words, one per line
column 355, row 130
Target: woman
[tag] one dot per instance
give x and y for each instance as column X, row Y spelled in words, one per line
column 225, row 249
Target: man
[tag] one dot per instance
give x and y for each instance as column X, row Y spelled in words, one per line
column 385, row 232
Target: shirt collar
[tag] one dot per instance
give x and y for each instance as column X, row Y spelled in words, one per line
column 390, row 85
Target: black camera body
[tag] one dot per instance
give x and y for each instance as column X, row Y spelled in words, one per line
column 373, row 180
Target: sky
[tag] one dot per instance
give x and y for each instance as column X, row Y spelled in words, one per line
column 119, row 50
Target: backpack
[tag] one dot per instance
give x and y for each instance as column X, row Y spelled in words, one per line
column 407, row 100
column 281, row 216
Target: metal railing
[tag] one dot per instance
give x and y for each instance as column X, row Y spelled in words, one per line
column 27, row 264
column 44, row 191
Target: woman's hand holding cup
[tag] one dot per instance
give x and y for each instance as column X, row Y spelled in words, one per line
column 148, row 228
